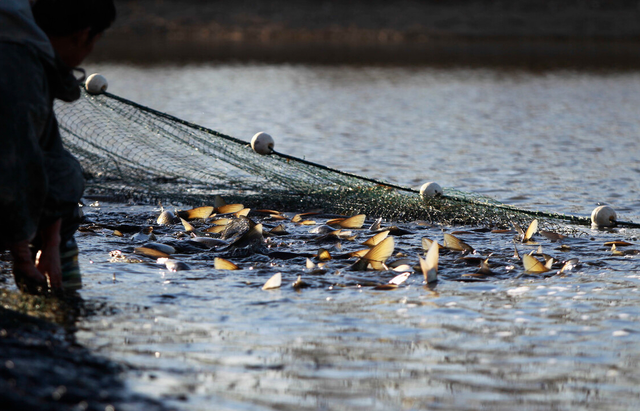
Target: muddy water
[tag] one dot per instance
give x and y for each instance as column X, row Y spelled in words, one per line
column 209, row 339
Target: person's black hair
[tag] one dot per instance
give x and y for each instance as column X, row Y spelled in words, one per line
column 64, row 17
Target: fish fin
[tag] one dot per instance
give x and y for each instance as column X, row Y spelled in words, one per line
column 380, row 253
column 274, row 282
column 244, row 212
column 222, row 264
column 324, row 255
column 431, row 262
column 453, row 243
column 187, row 226
column 533, row 228
column 229, row 208
column 356, row 221
column 376, row 239
column 532, row 265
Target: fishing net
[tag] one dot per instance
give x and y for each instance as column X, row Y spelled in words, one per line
column 129, row 151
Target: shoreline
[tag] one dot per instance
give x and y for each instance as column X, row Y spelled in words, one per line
column 538, row 35
column 535, row 54
column 42, row 367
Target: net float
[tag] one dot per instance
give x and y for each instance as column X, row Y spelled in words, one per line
column 96, row 84
column 430, row 189
column 262, row 143
column 603, row 216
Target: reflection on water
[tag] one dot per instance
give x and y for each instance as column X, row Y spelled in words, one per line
column 561, row 141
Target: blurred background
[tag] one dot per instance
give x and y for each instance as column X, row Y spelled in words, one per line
column 531, row 33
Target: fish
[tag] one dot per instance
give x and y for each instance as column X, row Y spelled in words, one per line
column 553, row 237
column 236, row 227
column 525, row 236
column 485, row 268
column 146, row 234
column 376, row 239
column 618, row 243
column 150, row 252
column 222, row 264
column 401, row 268
column 399, row 279
column 187, row 225
column 165, row 248
column 569, row 265
column 376, row 256
column 218, row 201
column 216, row 229
column 221, row 221
column 532, row 265
column 323, row 255
column 279, row 230
column 376, row 225
column 242, row 213
column 426, row 243
column 315, row 269
column 229, row 209
column 335, row 236
column 322, row 229
column 429, row 265
column 356, row 221
column 298, row 217
column 359, row 253
column 299, row 284
column 201, row 213
column 173, row 265
column 166, row 218
column 254, row 235
column 453, row 243
column 274, row 282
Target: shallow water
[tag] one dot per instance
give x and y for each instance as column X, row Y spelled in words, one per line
column 561, row 141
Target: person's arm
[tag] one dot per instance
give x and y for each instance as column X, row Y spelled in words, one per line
column 24, row 111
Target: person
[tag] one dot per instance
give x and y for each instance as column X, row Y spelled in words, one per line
column 41, row 183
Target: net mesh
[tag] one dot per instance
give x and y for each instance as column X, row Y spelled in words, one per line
column 129, row 151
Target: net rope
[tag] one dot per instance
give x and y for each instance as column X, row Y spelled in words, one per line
column 130, row 151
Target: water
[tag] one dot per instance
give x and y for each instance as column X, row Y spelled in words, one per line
column 559, row 141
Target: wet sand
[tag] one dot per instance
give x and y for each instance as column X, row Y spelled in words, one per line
column 536, row 34
column 43, row 368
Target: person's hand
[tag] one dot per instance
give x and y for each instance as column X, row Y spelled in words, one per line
column 48, row 257
column 27, row 276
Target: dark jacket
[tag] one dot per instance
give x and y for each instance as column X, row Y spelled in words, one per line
column 39, row 180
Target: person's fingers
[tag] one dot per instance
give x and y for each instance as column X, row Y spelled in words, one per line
column 48, row 263
column 28, row 278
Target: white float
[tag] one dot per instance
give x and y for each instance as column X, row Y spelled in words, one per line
column 96, row 84
column 262, row 143
column 430, row 189
column 603, row 216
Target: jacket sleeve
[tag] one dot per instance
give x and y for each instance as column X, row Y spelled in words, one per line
column 24, row 113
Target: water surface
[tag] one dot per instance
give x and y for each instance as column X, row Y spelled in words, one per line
column 562, row 141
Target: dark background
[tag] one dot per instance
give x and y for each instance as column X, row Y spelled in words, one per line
column 540, row 33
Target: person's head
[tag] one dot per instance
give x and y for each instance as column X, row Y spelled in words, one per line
column 73, row 26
